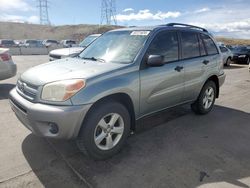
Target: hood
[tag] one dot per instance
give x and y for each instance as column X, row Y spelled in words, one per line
column 68, row 68
column 66, row 51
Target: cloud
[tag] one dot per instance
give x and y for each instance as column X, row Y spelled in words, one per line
column 13, row 5
column 202, row 10
column 18, row 18
column 146, row 15
column 128, row 10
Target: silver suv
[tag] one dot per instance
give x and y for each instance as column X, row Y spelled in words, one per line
column 126, row 74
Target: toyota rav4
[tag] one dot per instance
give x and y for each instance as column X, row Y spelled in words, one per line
column 124, row 75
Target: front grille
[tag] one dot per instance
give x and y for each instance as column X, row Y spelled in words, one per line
column 26, row 90
column 55, row 56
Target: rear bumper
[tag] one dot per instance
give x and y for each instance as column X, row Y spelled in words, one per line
column 38, row 117
column 9, row 72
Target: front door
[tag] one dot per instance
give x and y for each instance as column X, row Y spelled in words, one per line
column 163, row 86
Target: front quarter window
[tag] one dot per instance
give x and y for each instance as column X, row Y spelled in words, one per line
column 116, row 46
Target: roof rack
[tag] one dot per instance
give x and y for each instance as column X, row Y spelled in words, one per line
column 186, row 25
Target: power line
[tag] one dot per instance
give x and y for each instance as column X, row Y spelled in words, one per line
column 44, row 14
column 108, row 12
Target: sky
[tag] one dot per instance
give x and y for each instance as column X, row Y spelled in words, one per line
column 229, row 18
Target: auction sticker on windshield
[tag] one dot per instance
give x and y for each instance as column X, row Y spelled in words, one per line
column 141, row 33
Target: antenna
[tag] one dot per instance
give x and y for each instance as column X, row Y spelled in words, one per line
column 44, row 14
column 108, row 12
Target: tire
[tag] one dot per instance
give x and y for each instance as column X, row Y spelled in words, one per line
column 92, row 140
column 200, row 106
column 228, row 62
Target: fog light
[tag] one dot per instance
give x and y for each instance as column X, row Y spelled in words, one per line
column 53, row 128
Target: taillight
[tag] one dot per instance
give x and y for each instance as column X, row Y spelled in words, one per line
column 5, row 57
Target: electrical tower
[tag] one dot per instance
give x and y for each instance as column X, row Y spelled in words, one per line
column 44, row 14
column 108, row 12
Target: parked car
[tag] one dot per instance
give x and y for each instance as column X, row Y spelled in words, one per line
column 7, row 43
column 227, row 55
column 124, row 75
column 32, row 43
column 7, row 66
column 49, row 42
column 73, row 51
column 68, row 43
column 241, row 54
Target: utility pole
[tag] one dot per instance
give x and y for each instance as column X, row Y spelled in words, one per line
column 44, row 14
column 108, row 12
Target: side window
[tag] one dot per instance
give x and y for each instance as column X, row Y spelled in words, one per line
column 165, row 44
column 190, row 45
column 209, row 44
column 202, row 47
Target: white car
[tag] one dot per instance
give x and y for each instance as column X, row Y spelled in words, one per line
column 7, row 66
column 73, row 51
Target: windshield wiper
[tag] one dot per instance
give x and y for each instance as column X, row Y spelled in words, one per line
column 94, row 59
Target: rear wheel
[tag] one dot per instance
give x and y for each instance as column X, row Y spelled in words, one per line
column 105, row 130
column 206, row 99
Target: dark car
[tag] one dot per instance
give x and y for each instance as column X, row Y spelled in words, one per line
column 7, row 43
column 241, row 54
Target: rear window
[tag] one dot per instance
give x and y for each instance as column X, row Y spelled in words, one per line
column 209, row 44
column 223, row 49
column 190, row 45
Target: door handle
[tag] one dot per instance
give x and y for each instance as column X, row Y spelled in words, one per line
column 205, row 62
column 178, row 68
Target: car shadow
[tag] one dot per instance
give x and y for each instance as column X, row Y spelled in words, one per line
column 5, row 89
column 188, row 151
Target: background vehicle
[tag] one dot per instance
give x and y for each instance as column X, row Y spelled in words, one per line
column 73, row 51
column 68, row 43
column 7, row 66
column 227, row 55
column 241, row 54
column 122, row 76
column 32, row 43
column 50, row 42
column 7, row 43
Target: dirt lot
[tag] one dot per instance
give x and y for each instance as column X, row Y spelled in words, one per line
column 175, row 148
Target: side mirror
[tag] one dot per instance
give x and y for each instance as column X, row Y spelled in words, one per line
column 155, row 60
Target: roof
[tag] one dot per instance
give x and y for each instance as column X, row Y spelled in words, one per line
column 176, row 26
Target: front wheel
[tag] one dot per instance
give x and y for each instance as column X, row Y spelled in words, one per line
column 105, row 130
column 206, row 99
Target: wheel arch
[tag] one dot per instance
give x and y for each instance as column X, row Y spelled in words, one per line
column 122, row 98
column 215, row 79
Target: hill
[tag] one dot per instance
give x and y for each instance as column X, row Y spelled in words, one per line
column 20, row 31
column 233, row 41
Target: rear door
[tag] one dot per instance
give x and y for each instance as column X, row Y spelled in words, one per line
column 193, row 56
column 163, row 86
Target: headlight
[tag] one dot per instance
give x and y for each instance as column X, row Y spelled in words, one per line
column 62, row 90
column 242, row 56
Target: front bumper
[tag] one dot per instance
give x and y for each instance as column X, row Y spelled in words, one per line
column 239, row 59
column 38, row 117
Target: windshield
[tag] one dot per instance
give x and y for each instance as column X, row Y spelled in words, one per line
column 116, row 46
column 87, row 41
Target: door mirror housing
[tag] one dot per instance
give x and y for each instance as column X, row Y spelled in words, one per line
column 155, row 60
